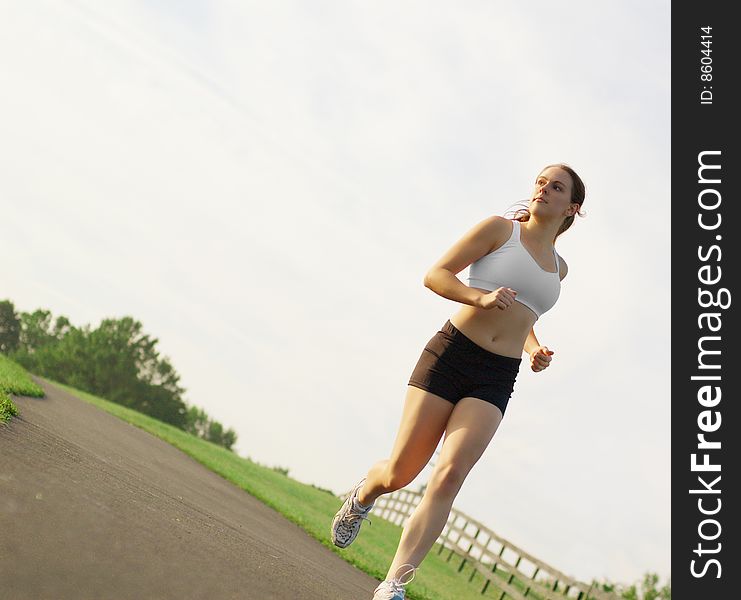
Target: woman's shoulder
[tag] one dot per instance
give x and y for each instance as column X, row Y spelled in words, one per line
column 497, row 219
column 496, row 226
column 501, row 224
column 503, row 228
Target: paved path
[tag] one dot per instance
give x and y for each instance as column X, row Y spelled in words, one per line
column 92, row 507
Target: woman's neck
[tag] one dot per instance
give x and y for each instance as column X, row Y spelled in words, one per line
column 540, row 234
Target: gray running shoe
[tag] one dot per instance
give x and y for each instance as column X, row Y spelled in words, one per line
column 347, row 521
column 393, row 589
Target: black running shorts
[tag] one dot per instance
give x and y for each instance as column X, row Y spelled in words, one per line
column 454, row 367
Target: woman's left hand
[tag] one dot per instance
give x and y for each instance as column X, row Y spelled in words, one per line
column 540, row 358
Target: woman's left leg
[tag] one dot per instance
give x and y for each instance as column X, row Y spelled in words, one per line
column 471, row 425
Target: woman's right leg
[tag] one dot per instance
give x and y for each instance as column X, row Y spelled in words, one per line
column 423, row 423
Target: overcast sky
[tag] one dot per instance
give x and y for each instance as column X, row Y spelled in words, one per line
column 264, row 186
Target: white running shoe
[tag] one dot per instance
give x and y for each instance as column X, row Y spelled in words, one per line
column 393, row 589
column 347, row 521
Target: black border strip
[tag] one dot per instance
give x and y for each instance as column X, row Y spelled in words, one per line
column 703, row 207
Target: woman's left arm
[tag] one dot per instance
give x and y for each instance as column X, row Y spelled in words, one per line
column 540, row 356
column 531, row 343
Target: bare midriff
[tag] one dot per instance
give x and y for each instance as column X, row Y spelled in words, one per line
column 500, row 331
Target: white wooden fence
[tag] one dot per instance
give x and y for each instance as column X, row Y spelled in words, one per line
column 508, row 571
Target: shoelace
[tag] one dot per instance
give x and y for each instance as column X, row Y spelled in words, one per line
column 396, row 585
column 354, row 515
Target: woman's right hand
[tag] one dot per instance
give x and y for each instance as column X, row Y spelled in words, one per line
column 500, row 298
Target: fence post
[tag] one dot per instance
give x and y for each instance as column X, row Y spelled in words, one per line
column 473, row 571
column 452, row 549
column 470, row 547
column 445, row 538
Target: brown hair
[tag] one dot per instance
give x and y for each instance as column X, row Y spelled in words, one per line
column 577, row 195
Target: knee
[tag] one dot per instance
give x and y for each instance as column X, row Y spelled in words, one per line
column 447, row 479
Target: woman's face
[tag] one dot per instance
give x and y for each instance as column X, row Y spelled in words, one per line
column 552, row 193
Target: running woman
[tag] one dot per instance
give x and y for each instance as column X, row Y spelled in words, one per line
column 466, row 373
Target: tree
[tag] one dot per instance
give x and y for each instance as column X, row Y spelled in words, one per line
column 128, row 369
column 10, row 327
column 116, row 360
column 36, row 330
column 649, row 589
column 198, row 423
column 229, row 438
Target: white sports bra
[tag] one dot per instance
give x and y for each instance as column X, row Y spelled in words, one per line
column 511, row 265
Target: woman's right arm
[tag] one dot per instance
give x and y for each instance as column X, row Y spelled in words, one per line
column 477, row 242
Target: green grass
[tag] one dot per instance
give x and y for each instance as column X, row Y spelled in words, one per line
column 312, row 509
column 14, row 380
